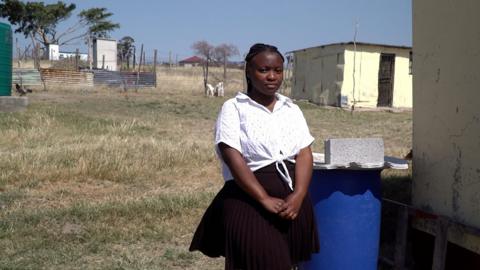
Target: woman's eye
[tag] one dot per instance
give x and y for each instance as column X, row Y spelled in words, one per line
column 262, row 70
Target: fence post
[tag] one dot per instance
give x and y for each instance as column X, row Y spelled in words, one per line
column 134, row 57
column 90, row 52
column 77, row 56
column 139, row 66
column 155, row 67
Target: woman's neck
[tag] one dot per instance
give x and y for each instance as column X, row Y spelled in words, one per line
column 267, row 101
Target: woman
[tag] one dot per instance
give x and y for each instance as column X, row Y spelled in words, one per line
column 262, row 218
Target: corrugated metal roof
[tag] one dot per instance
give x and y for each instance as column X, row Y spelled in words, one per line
column 352, row 43
column 193, row 59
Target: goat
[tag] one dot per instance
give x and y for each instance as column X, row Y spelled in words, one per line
column 219, row 91
column 210, row 90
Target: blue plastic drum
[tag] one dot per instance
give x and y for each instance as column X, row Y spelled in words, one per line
column 347, row 205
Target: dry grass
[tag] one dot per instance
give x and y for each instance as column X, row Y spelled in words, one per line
column 111, row 180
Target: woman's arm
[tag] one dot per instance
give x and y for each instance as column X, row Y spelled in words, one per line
column 247, row 181
column 303, row 175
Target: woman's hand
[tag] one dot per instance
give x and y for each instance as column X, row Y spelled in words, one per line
column 303, row 175
column 293, row 202
column 273, row 205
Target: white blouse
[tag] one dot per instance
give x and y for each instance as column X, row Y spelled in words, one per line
column 261, row 136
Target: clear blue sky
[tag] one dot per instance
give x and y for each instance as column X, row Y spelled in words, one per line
column 174, row 25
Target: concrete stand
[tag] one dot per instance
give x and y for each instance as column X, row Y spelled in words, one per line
column 13, row 103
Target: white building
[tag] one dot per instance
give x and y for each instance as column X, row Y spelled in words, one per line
column 105, row 54
column 52, row 52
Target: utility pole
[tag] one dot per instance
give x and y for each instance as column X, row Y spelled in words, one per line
column 354, row 64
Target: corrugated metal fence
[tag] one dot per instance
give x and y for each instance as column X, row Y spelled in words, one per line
column 58, row 78
column 124, row 79
column 27, row 77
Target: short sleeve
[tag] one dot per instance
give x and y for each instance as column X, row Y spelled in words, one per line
column 306, row 138
column 227, row 128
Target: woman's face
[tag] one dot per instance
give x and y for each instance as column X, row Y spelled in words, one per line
column 265, row 72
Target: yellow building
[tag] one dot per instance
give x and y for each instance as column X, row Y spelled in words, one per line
column 360, row 74
column 446, row 114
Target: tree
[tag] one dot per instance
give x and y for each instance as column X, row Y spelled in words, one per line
column 206, row 50
column 125, row 49
column 39, row 21
column 35, row 19
column 96, row 19
column 222, row 52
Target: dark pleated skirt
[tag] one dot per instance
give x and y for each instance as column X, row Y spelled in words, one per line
column 248, row 236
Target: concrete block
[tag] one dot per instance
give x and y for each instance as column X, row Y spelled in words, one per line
column 13, row 103
column 364, row 150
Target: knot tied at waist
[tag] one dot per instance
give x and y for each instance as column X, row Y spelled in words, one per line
column 280, row 164
column 283, row 167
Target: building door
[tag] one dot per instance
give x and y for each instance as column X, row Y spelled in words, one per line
column 385, row 80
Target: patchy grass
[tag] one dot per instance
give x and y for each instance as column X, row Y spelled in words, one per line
column 111, row 180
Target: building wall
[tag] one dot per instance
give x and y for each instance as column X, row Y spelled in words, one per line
column 107, row 48
column 367, row 61
column 317, row 74
column 324, row 75
column 446, row 115
column 53, row 52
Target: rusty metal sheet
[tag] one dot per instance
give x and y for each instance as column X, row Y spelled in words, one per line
column 124, row 79
column 67, row 78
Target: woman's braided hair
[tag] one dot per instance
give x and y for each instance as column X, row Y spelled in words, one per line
column 254, row 50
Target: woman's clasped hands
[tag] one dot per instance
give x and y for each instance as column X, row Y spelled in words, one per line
column 287, row 209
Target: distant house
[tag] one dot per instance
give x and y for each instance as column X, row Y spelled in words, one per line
column 360, row 74
column 53, row 53
column 191, row 61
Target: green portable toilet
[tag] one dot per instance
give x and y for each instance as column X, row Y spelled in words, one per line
column 5, row 59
